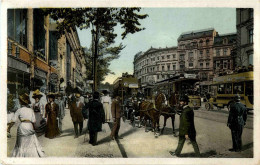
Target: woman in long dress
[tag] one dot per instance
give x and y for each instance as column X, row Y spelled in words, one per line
column 38, row 108
column 27, row 144
column 52, row 112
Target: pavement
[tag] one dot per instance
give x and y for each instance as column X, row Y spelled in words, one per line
column 213, row 138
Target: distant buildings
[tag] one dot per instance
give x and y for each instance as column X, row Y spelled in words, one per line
column 202, row 53
column 37, row 57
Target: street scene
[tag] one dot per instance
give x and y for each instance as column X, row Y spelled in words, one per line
column 130, row 82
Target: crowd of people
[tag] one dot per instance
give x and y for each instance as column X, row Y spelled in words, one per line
column 37, row 114
column 38, row 118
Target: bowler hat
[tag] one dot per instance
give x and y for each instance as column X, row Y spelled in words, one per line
column 51, row 95
column 25, row 98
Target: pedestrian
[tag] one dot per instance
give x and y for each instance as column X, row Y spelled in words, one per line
column 106, row 101
column 96, row 118
column 61, row 114
column 116, row 113
column 236, row 121
column 76, row 115
column 38, row 109
column 27, row 144
column 51, row 115
column 186, row 128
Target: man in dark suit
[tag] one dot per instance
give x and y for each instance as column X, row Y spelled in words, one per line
column 116, row 114
column 76, row 115
column 186, row 129
column 236, row 121
column 96, row 118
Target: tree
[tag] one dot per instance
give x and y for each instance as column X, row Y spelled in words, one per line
column 102, row 22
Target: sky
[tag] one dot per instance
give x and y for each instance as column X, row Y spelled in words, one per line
column 163, row 27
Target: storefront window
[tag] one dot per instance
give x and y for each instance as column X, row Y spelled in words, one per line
column 39, row 32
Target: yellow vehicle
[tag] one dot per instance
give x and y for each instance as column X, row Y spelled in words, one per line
column 230, row 85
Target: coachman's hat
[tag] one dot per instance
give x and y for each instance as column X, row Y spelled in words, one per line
column 184, row 98
column 37, row 94
column 25, row 98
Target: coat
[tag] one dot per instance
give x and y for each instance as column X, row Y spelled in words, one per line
column 76, row 112
column 237, row 115
column 96, row 116
column 187, row 126
column 116, row 109
column 51, row 114
column 61, row 108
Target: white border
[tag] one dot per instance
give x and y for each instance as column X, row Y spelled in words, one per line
column 131, row 3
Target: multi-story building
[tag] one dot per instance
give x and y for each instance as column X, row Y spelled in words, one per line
column 154, row 65
column 245, row 34
column 37, row 57
column 201, row 53
column 222, row 58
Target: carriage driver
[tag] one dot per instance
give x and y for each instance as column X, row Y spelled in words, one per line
column 187, row 128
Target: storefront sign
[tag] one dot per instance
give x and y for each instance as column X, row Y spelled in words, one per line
column 13, row 63
column 190, row 75
column 133, row 85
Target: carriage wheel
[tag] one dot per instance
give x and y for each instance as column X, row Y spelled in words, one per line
column 207, row 106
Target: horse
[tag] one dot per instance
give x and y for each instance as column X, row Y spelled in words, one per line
column 167, row 110
column 148, row 111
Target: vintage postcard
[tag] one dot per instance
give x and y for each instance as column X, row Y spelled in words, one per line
column 116, row 82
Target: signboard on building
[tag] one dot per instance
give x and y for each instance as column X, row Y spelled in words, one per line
column 133, row 85
column 189, row 75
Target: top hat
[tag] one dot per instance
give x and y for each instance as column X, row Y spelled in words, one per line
column 184, row 98
column 51, row 95
column 25, row 98
column 37, row 94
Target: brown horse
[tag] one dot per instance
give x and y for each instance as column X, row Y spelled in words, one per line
column 167, row 110
column 148, row 111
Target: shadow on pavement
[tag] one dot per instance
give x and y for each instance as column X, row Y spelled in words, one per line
column 203, row 155
column 104, row 140
column 168, row 131
column 247, row 146
column 67, row 132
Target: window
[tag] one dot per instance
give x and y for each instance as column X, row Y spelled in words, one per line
column 251, row 34
column 182, row 67
column 174, row 56
column 207, row 64
column 182, row 57
column 228, row 89
column 190, row 64
column 163, row 76
column 201, row 53
column 157, row 58
column 225, row 41
column 250, row 58
column 174, row 67
column 207, row 52
column 168, row 57
column 162, row 68
column 157, row 68
column 238, row 88
column 162, row 57
column 200, row 43
column 217, row 64
column 225, row 65
column 39, row 31
column 224, row 52
column 191, row 55
column 251, row 13
column 207, row 42
column 168, row 67
column 53, row 46
column 17, row 25
column 217, row 52
column 201, row 65
column 157, row 76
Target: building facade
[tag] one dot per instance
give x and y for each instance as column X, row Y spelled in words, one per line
column 36, row 54
column 245, row 34
column 201, row 53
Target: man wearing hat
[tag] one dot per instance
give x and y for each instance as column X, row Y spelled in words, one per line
column 76, row 115
column 59, row 101
column 186, row 129
column 236, row 121
column 38, row 109
column 52, row 111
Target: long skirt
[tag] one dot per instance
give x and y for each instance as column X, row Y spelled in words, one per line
column 27, row 144
column 52, row 129
column 107, row 111
column 40, row 124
